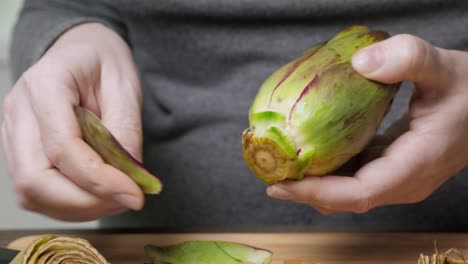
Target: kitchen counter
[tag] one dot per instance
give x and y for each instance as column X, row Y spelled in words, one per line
column 288, row 248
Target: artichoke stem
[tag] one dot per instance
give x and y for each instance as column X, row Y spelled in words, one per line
column 266, row 159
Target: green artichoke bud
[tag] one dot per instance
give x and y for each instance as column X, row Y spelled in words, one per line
column 100, row 139
column 315, row 113
column 208, row 252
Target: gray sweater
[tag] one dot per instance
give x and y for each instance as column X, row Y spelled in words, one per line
column 202, row 63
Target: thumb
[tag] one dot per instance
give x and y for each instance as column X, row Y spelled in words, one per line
column 120, row 106
column 405, row 58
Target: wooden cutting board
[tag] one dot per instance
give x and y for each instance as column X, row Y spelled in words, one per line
column 288, row 248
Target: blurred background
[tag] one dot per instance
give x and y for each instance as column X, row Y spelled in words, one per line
column 12, row 216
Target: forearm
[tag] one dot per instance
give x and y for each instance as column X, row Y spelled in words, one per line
column 41, row 22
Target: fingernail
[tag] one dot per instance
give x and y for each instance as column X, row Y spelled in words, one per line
column 128, row 201
column 366, row 61
column 279, row 193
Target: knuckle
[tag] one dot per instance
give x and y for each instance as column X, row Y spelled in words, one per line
column 26, row 203
column 313, row 199
column 411, row 43
column 25, row 190
column 24, row 185
column 95, row 186
column 364, row 203
column 46, row 73
column 415, row 51
column 55, row 152
column 88, row 179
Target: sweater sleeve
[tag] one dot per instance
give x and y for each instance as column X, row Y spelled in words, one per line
column 41, row 22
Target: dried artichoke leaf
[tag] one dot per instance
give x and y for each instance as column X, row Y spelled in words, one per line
column 50, row 249
column 451, row 256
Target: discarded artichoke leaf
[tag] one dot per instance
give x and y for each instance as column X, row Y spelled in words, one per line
column 208, row 252
column 51, row 249
column 100, row 139
column 323, row 111
column 451, row 256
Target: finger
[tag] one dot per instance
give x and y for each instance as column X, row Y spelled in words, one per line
column 273, row 191
column 21, row 134
column 40, row 188
column 407, row 173
column 323, row 211
column 60, row 137
column 120, row 101
column 402, row 175
column 333, row 193
column 54, row 195
column 405, row 58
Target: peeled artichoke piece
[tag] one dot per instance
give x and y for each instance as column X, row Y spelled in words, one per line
column 100, row 139
column 208, row 252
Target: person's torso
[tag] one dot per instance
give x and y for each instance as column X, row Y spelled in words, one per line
column 201, row 64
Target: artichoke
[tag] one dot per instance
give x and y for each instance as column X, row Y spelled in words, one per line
column 99, row 138
column 208, row 252
column 51, row 249
column 315, row 113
